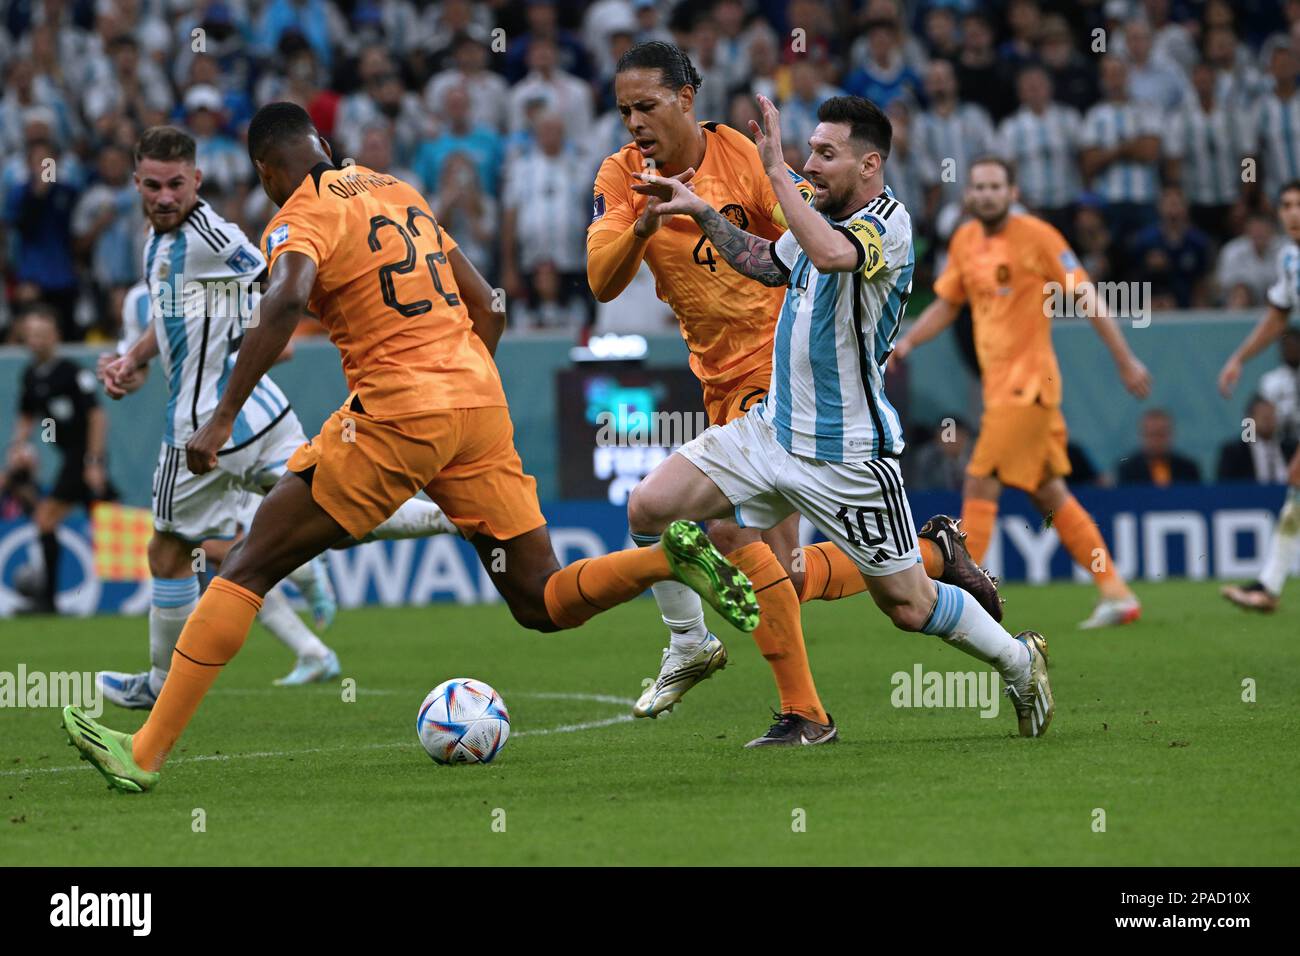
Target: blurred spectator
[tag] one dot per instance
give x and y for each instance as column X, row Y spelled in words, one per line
column 1237, row 82
column 125, row 84
column 702, row 47
column 1279, row 122
column 559, row 93
column 950, row 134
column 767, row 75
column 942, row 36
column 467, row 211
column 318, row 21
column 1155, row 462
column 109, row 230
column 461, row 133
column 488, row 93
column 39, row 211
column 1091, row 239
column 1259, row 454
column 301, row 83
column 940, row 463
column 440, row 25
column 1248, row 264
column 1121, row 153
column 1025, row 24
column 544, row 229
column 223, row 162
column 983, row 77
column 382, row 96
column 1042, row 139
column 1082, row 470
column 376, row 152
column 1174, row 256
column 1205, row 143
column 1152, row 79
column 543, row 26
column 912, row 175
column 799, row 109
column 649, row 22
column 884, row 74
column 1281, row 386
column 1072, row 77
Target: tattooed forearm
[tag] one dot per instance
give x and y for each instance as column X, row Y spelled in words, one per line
column 748, row 254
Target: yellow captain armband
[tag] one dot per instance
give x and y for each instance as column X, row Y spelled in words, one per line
column 778, row 214
column 873, row 251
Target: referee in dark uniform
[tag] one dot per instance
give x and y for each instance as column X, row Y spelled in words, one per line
column 57, row 404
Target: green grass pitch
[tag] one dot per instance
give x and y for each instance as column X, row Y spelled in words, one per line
column 1150, row 728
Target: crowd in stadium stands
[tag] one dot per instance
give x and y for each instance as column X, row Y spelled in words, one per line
column 1153, row 133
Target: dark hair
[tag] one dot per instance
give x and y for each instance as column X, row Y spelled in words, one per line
column 867, row 124
column 669, row 59
column 165, row 143
column 990, row 159
column 1288, row 186
column 41, row 308
column 273, row 124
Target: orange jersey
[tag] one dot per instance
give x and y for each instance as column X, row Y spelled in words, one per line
column 727, row 319
column 1007, row 280
column 385, row 293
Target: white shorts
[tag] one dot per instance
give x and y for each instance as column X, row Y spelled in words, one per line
column 860, row 506
column 197, row 507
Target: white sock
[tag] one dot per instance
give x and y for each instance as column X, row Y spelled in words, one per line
column 962, row 623
column 304, row 576
column 681, row 608
column 278, row 617
column 1282, row 549
column 416, row 518
column 173, row 602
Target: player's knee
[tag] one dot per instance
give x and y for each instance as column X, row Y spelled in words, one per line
column 727, row 536
column 530, row 612
column 647, row 510
column 169, row 557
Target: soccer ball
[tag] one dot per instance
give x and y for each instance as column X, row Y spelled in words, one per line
column 463, row 721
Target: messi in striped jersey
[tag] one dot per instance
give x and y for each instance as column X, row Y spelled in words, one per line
column 825, row 442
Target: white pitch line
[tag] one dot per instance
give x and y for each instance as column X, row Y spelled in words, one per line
column 262, row 754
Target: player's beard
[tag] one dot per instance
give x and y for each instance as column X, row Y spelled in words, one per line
column 994, row 221
column 835, row 204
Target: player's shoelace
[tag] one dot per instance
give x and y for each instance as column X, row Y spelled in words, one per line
column 784, row 723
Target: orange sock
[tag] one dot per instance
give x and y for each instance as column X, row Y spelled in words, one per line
column 977, row 520
column 577, row 593
column 1082, row 538
column 780, row 633
column 829, row 574
column 932, row 557
column 213, row 635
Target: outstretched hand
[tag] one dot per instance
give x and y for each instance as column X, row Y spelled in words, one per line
column 768, row 136
column 668, row 195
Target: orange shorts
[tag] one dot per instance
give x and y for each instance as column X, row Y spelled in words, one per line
column 463, row 458
column 1021, row 445
column 730, row 400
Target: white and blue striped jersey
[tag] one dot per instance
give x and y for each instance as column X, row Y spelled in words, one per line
column 1284, row 293
column 1107, row 125
column 833, row 337
column 200, row 277
column 1211, row 147
column 952, row 143
column 1045, row 149
column 1278, row 131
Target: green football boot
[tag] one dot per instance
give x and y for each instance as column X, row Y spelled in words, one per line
column 702, row 568
column 108, row 751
